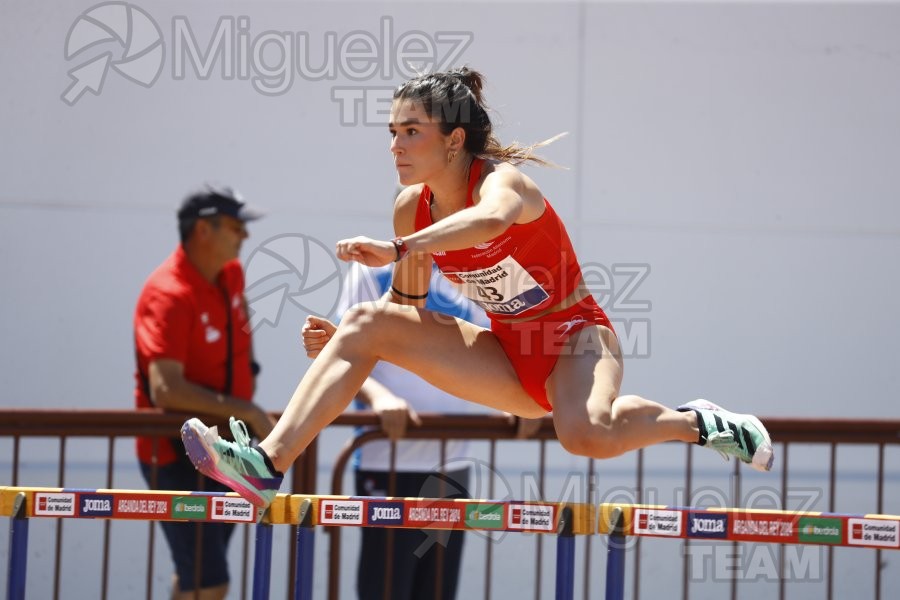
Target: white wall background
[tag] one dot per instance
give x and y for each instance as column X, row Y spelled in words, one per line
column 746, row 153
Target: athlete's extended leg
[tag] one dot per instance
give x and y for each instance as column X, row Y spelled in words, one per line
column 456, row 356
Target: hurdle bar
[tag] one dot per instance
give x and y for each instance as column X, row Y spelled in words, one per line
column 566, row 520
column 24, row 503
column 617, row 521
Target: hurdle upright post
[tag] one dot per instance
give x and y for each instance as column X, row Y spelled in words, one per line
column 306, row 545
column 18, row 549
column 615, row 556
column 262, row 565
column 565, row 555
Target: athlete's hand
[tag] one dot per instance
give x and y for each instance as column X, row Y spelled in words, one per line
column 366, row 251
column 315, row 333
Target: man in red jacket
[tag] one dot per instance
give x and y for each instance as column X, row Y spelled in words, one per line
column 194, row 354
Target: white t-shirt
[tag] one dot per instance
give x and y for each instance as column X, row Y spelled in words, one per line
column 364, row 284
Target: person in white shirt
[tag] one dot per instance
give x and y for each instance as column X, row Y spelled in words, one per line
column 397, row 396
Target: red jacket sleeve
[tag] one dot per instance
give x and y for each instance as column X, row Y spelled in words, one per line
column 162, row 326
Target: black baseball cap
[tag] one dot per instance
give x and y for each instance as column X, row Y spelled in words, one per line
column 211, row 201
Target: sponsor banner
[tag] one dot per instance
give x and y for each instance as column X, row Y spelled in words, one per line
column 435, row 515
column 657, row 522
column 95, row 505
column 707, row 525
column 143, row 506
column 341, row 512
column 189, row 507
column 820, row 530
column 764, row 527
column 531, row 517
column 484, row 516
column 384, row 513
column 54, row 504
column 232, row 509
column 873, row 532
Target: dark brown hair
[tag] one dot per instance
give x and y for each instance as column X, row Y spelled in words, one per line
column 454, row 99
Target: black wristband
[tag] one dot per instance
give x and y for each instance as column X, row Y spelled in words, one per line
column 410, row 296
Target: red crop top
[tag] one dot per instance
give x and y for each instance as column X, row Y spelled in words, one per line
column 524, row 270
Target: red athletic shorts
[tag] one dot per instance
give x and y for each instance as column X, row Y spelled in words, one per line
column 533, row 347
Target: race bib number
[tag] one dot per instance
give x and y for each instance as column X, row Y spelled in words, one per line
column 505, row 288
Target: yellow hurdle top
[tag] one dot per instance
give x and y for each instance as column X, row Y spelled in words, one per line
column 309, row 510
column 752, row 525
column 724, row 524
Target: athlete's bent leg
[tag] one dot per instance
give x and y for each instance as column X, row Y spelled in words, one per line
column 591, row 418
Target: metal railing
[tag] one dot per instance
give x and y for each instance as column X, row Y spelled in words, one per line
column 789, row 433
column 112, row 425
column 490, row 428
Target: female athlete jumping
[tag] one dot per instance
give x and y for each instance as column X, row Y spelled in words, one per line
column 490, row 230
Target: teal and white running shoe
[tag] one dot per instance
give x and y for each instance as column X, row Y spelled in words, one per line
column 732, row 434
column 235, row 464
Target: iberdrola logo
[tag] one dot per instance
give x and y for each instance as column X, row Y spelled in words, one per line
column 121, row 36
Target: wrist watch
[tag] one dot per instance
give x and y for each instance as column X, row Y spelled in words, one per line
column 401, row 248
